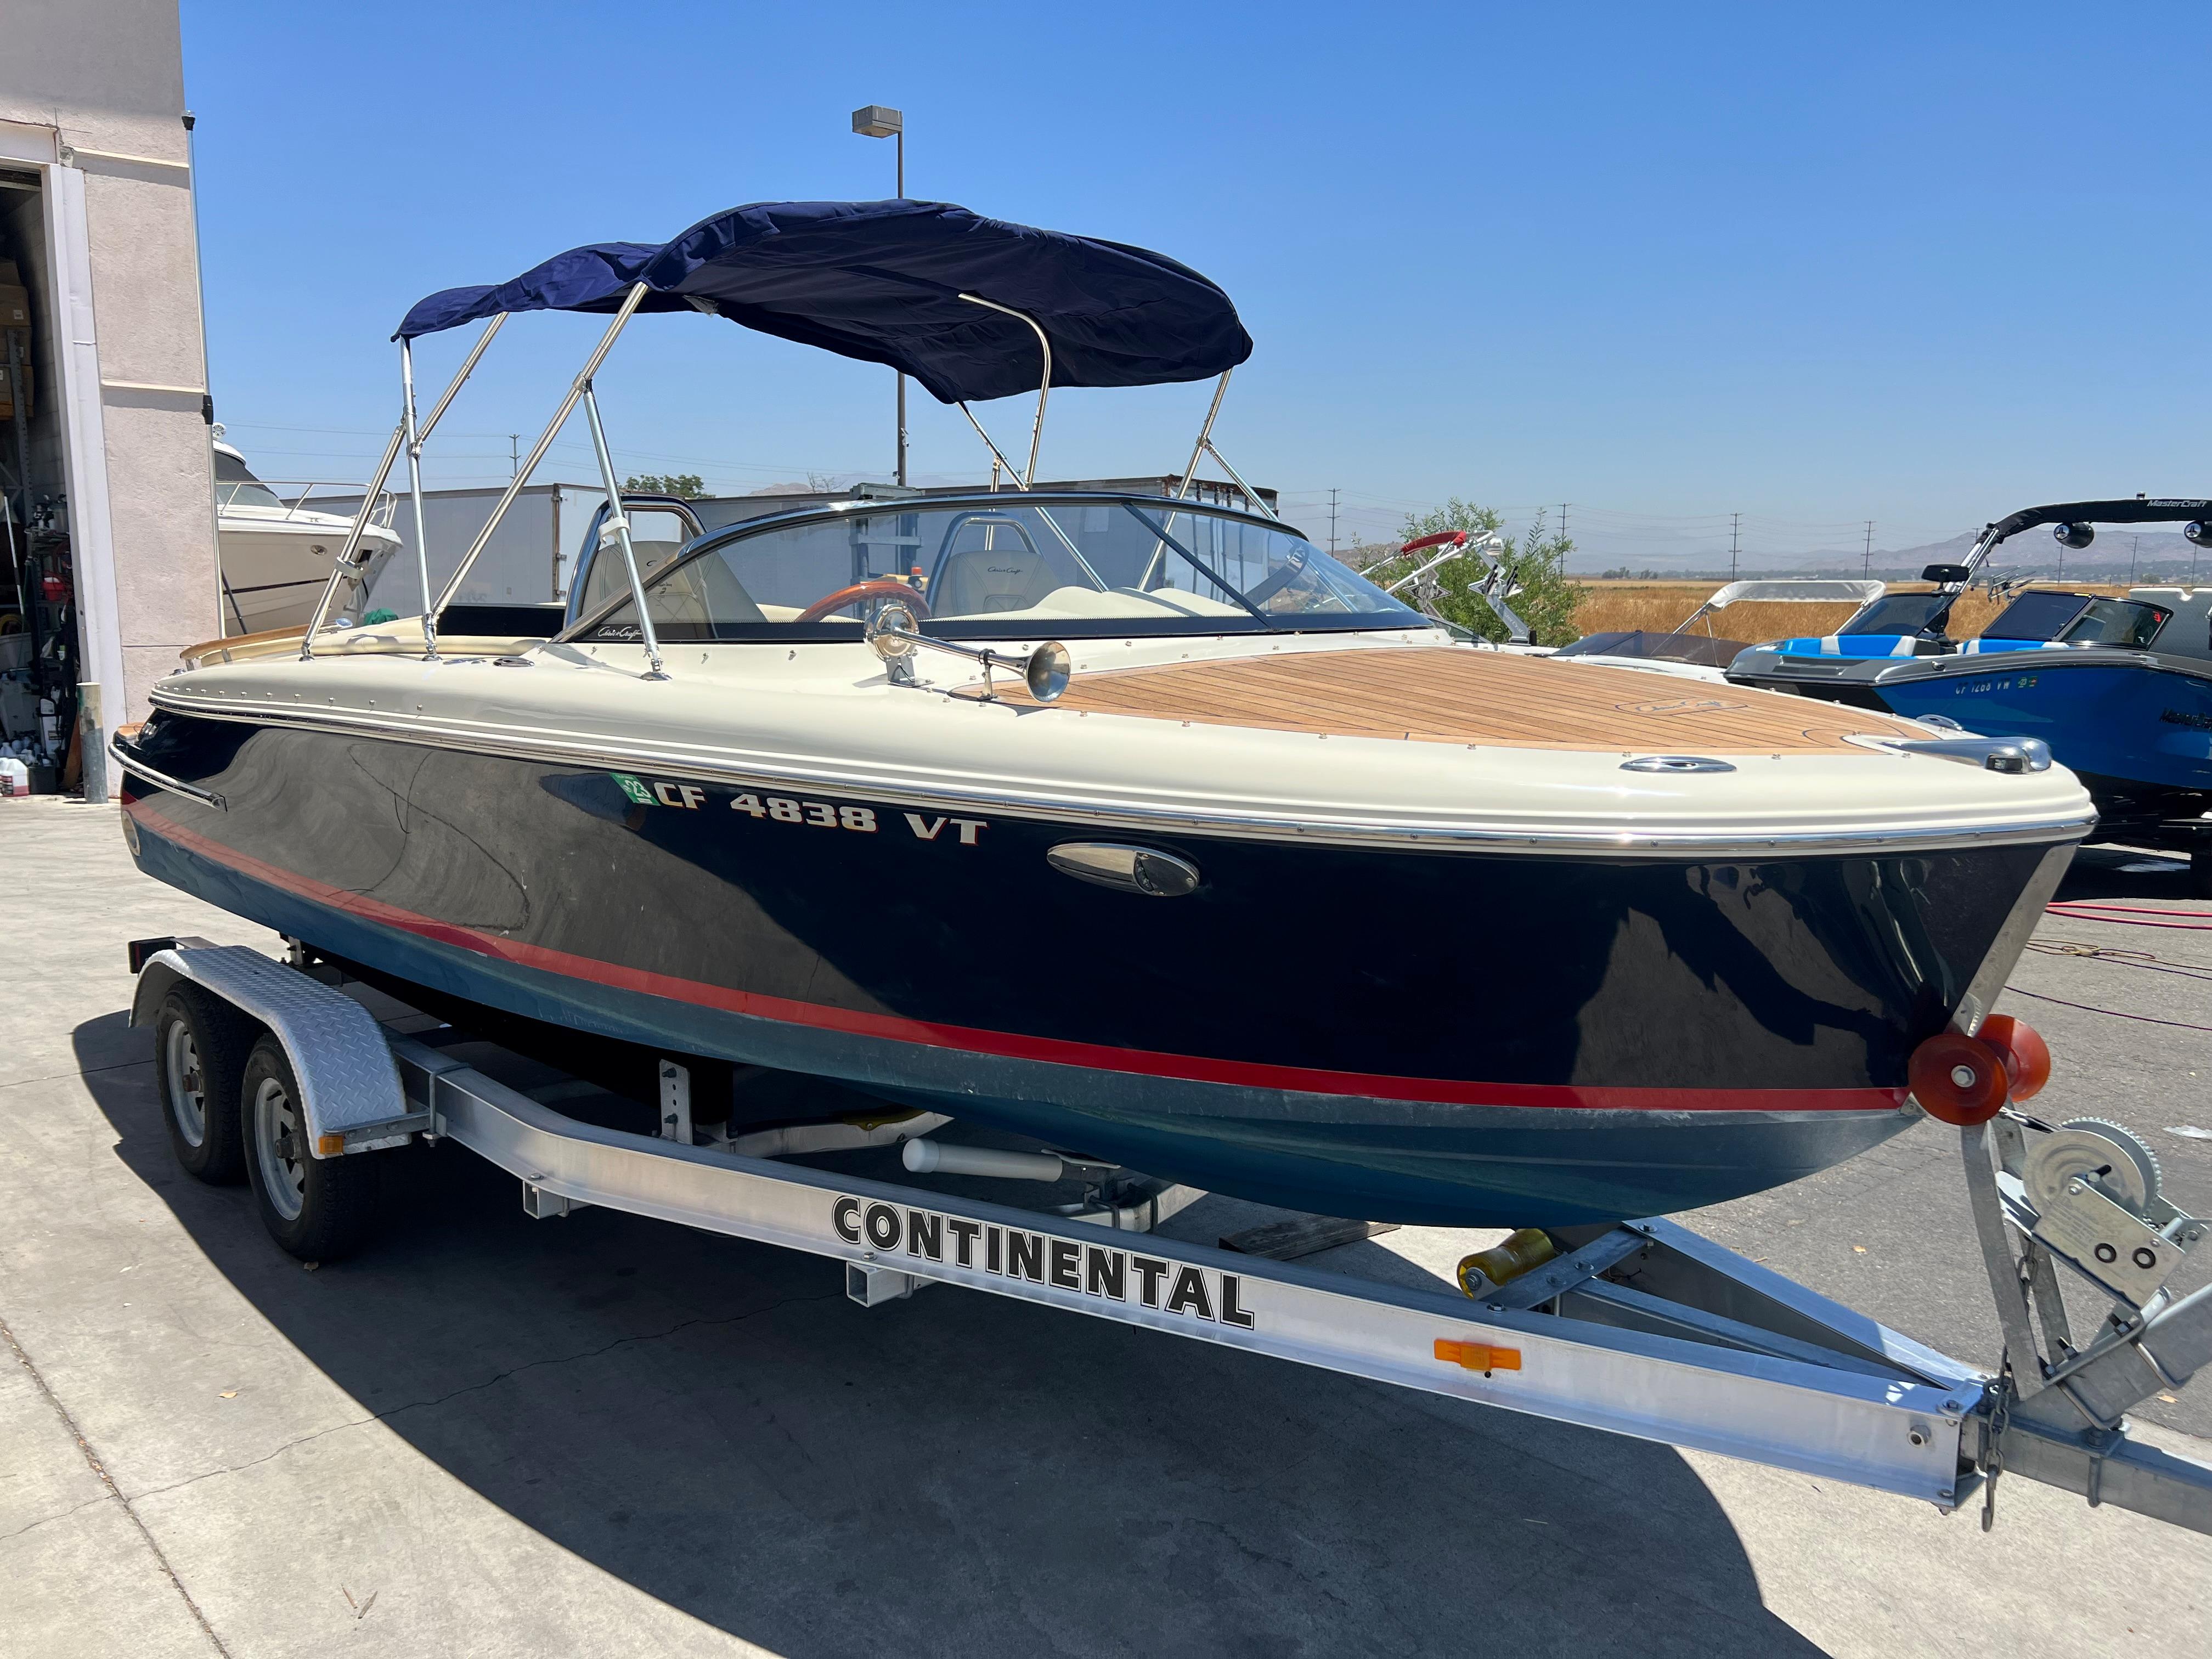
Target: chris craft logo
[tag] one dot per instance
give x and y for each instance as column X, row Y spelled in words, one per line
column 1099, row 1270
column 1678, row 706
column 783, row 809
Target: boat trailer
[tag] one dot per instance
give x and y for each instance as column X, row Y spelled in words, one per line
column 1646, row 1330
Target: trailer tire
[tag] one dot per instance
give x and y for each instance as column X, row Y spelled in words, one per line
column 200, row 1046
column 318, row 1209
column 2200, row 872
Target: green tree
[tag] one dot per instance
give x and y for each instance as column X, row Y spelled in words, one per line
column 684, row 486
column 1535, row 573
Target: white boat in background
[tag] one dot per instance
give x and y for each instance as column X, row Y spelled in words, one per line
column 1707, row 656
column 276, row 555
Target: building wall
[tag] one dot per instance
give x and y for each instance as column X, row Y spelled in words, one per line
column 108, row 75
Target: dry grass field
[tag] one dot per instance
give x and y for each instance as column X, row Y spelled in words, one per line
column 1662, row 606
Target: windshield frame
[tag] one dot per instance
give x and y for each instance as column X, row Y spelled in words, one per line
column 962, row 628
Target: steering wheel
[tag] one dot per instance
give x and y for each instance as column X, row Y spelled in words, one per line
column 881, row 587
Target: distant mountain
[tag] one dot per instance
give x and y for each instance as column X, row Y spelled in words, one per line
column 2036, row 553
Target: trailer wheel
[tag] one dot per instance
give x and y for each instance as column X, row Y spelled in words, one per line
column 200, row 1045
column 316, row 1208
column 2200, row 872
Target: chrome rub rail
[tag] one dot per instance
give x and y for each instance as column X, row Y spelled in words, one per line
column 1242, row 825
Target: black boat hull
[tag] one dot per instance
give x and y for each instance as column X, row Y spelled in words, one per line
column 1453, row 1037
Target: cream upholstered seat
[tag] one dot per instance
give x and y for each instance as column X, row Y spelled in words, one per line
column 981, row 581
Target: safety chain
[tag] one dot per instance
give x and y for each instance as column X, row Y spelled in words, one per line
column 1991, row 1461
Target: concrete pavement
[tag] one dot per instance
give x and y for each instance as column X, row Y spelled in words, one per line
column 491, row 1436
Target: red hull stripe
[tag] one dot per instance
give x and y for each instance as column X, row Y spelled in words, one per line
column 1012, row 1045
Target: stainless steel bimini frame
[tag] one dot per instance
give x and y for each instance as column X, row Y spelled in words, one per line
column 408, row 437
column 400, row 437
column 1045, row 390
column 1646, row 1330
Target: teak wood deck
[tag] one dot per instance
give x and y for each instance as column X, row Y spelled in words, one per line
column 1479, row 697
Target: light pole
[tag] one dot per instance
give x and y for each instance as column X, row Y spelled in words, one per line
column 874, row 121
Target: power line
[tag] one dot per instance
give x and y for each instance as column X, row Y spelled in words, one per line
column 1868, row 568
column 1735, row 527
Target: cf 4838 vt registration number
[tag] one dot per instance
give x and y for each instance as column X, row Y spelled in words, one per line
column 783, row 809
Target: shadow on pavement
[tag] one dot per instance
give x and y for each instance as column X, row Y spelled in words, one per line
column 713, row 1422
column 2123, row 872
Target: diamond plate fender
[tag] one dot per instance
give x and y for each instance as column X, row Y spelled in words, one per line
column 349, row 1084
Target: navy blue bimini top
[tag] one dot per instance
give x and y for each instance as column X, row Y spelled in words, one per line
column 881, row 282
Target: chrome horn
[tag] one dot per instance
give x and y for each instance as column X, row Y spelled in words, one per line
column 892, row 633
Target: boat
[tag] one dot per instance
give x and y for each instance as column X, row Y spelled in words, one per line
column 1139, row 826
column 2120, row 690
column 1493, row 586
column 278, row 556
column 1688, row 654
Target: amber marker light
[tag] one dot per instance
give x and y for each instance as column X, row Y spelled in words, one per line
column 1477, row 1355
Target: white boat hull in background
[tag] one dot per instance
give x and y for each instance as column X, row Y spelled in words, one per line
column 274, row 567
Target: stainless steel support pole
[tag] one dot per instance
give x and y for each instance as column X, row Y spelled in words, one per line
column 415, row 493
column 1204, row 436
column 997, row 456
column 618, row 521
column 1250, row 494
column 1189, row 475
column 369, row 496
column 1051, row 523
column 1044, row 387
column 339, row 565
column 460, row 377
column 629, row 305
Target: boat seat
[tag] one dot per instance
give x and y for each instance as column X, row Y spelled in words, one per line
column 689, row 602
column 980, row 581
column 692, row 599
column 605, row 577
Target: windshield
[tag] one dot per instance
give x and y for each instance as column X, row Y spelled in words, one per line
column 2117, row 622
column 1073, row 569
column 1704, row 648
column 1901, row 613
column 2036, row 616
column 2079, row 619
column 236, row 486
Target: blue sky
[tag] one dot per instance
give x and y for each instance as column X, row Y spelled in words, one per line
column 1917, row 265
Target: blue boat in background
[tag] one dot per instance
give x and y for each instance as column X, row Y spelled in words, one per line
column 2120, row 689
